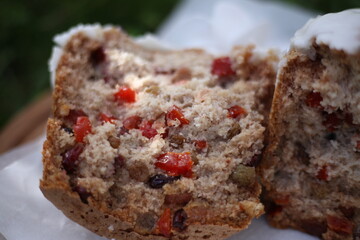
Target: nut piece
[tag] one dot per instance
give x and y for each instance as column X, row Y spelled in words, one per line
column 114, row 141
column 154, row 90
column 243, row 176
column 234, row 130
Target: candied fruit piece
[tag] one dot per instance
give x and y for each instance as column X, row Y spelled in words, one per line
column 340, row 225
column 222, row 67
column 175, row 113
column 97, row 56
column 164, row 223
column 175, row 164
column 159, row 180
column 313, row 100
column 70, row 158
column 236, row 111
column 332, row 122
column 125, row 94
column 243, row 176
column 200, row 144
column 82, row 128
column 179, row 219
column 114, row 141
column 132, row 122
column 178, row 199
column 147, row 130
column 322, row 174
column 105, row 118
column 74, row 114
column 83, row 193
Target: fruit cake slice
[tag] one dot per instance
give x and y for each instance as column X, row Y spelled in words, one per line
column 147, row 144
column 311, row 168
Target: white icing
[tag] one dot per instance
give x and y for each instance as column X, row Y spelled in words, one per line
column 340, row 31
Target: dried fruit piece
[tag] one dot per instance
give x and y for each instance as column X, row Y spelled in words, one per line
column 222, row 67
column 332, row 122
column 236, row 111
column 97, row 56
column 147, row 130
column 74, row 114
column 348, row 212
column 313, row 100
column 119, row 161
column 159, row 180
column 68, row 130
column 83, row 193
column 82, row 128
column 125, row 94
column 322, row 174
column 164, row 223
column 105, row 118
column 145, row 223
column 163, row 71
column 175, row 163
column 154, row 90
column 349, row 118
column 175, row 113
column 178, row 199
column 177, row 141
column 132, row 122
column 179, row 220
column 233, row 131
column 114, row 141
column 340, row 225
column 138, row 171
column 200, row 144
column 243, row 176
column 70, row 159
column 182, row 74
column 255, row 160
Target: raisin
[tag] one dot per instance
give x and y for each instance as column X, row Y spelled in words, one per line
column 179, row 220
column 236, row 111
column 234, row 130
column 82, row 128
column 145, row 223
column 243, row 176
column 177, row 141
column 74, row 114
column 255, row 160
column 322, row 173
column 182, row 74
column 125, row 95
column 70, row 159
column 314, row 99
column 175, row 163
column 138, row 171
column 132, row 122
column 97, row 56
column 222, row 67
column 114, row 141
column 83, row 193
column 340, row 225
column 348, row 212
column 164, row 223
column 159, row 180
column 68, row 130
column 330, row 136
column 175, row 113
column 178, row 199
column 119, row 161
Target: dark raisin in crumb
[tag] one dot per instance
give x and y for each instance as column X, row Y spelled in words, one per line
column 119, row 162
column 70, row 159
column 68, row 130
column 179, row 219
column 255, row 160
column 159, row 180
column 97, row 56
column 83, row 193
column 330, row 136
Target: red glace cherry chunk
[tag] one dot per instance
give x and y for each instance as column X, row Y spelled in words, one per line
column 322, row 174
column 340, row 225
column 105, row 118
column 313, row 100
column 132, row 122
column 175, row 164
column 147, row 130
column 164, row 223
column 82, row 128
column 200, row 144
column 125, row 94
column 222, row 67
column 176, row 113
column 236, row 111
column 332, row 122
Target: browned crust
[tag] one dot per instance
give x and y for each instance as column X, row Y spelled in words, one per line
column 94, row 216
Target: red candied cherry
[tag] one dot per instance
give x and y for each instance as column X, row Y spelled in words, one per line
column 70, row 158
column 125, row 94
column 313, row 100
column 105, row 118
column 74, row 114
column 236, row 111
column 200, row 144
column 82, row 128
column 332, row 122
column 175, row 164
column 222, row 67
column 164, row 223
column 147, row 130
column 322, row 174
column 340, row 225
column 132, row 122
column 175, row 113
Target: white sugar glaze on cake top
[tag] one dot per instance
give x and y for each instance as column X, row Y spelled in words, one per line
column 340, row 31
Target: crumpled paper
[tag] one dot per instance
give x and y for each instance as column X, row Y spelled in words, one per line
column 215, row 25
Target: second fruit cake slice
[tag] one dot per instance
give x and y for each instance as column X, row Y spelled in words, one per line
column 147, row 144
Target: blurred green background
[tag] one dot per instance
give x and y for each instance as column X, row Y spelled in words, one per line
column 27, row 28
